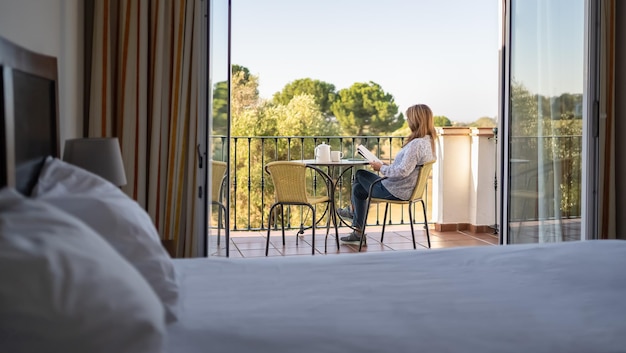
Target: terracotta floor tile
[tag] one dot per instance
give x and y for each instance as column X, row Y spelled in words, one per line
column 450, row 236
column 408, row 246
column 490, row 238
column 260, row 253
column 355, row 248
column 345, row 248
column 302, row 250
column 249, row 239
column 234, row 253
column 397, row 238
column 257, row 245
column 457, row 243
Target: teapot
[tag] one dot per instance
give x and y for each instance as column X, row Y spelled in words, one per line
column 322, row 153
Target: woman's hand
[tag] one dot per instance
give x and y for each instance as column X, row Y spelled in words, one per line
column 376, row 165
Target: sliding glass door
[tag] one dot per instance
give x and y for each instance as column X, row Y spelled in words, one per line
column 545, row 104
column 219, row 125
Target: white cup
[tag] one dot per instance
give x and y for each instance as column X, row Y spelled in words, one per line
column 336, row 156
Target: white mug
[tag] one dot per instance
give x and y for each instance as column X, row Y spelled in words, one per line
column 336, row 156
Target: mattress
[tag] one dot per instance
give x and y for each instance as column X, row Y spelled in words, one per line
column 565, row 297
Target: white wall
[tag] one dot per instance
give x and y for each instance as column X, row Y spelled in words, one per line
column 52, row 27
column 483, row 175
column 463, row 179
column 451, row 176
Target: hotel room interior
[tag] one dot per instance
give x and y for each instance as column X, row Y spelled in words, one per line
column 92, row 266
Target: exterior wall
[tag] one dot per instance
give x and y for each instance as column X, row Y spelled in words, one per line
column 464, row 197
column 52, row 27
column 451, row 180
column 483, row 192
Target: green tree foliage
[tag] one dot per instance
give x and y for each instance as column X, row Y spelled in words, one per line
column 550, row 129
column 253, row 122
column 567, row 106
column 220, row 108
column 550, row 115
column 299, row 117
column 365, row 109
column 322, row 92
column 245, row 94
column 485, row 121
column 245, row 91
column 440, row 120
column 246, row 72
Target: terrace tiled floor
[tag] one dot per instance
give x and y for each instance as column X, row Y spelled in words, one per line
column 252, row 244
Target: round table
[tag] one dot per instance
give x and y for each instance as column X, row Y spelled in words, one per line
column 336, row 171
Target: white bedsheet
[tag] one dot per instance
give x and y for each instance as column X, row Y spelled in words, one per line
column 568, row 297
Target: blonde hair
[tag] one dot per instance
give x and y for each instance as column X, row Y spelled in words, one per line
column 420, row 120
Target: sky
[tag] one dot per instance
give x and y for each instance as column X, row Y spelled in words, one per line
column 440, row 53
column 550, row 40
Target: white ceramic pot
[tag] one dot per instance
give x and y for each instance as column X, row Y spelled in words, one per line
column 322, row 153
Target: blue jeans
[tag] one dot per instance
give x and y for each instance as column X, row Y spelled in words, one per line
column 360, row 191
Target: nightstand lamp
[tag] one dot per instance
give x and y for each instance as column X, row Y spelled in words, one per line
column 101, row 156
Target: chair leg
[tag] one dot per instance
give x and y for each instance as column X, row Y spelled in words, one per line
column 282, row 224
column 313, row 231
column 367, row 210
column 219, row 223
column 220, row 220
column 412, row 227
column 336, row 228
column 382, row 234
column 269, row 225
column 327, row 229
column 332, row 216
column 425, row 223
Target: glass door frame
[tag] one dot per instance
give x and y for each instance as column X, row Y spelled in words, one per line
column 590, row 139
column 214, row 39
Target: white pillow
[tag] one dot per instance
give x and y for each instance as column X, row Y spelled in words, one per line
column 117, row 218
column 64, row 289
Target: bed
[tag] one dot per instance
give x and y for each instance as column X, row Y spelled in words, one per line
column 529, row 298
column 83, row 271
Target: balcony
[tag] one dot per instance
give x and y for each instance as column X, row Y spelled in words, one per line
column 461, row 195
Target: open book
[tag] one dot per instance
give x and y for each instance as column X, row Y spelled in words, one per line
column 363, row 151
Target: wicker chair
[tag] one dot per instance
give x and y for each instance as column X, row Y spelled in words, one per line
column 218, row 178
column 417, row 196
column 289, row 179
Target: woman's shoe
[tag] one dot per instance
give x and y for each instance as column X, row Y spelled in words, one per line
column 345, row 212
column 352, row 238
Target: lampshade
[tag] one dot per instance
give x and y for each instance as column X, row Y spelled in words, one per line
column 101, row 156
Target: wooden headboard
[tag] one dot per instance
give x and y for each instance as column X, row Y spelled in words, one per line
column 29, row 114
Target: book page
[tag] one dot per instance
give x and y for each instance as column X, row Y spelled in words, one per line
column 363, row 151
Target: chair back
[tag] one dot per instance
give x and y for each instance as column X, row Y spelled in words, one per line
column 289, row 179
column 218, row 172
column 422, row 180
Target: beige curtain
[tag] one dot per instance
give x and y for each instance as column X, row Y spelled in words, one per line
column 144, row 90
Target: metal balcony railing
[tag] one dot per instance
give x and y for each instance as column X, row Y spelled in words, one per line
column 251, row 192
